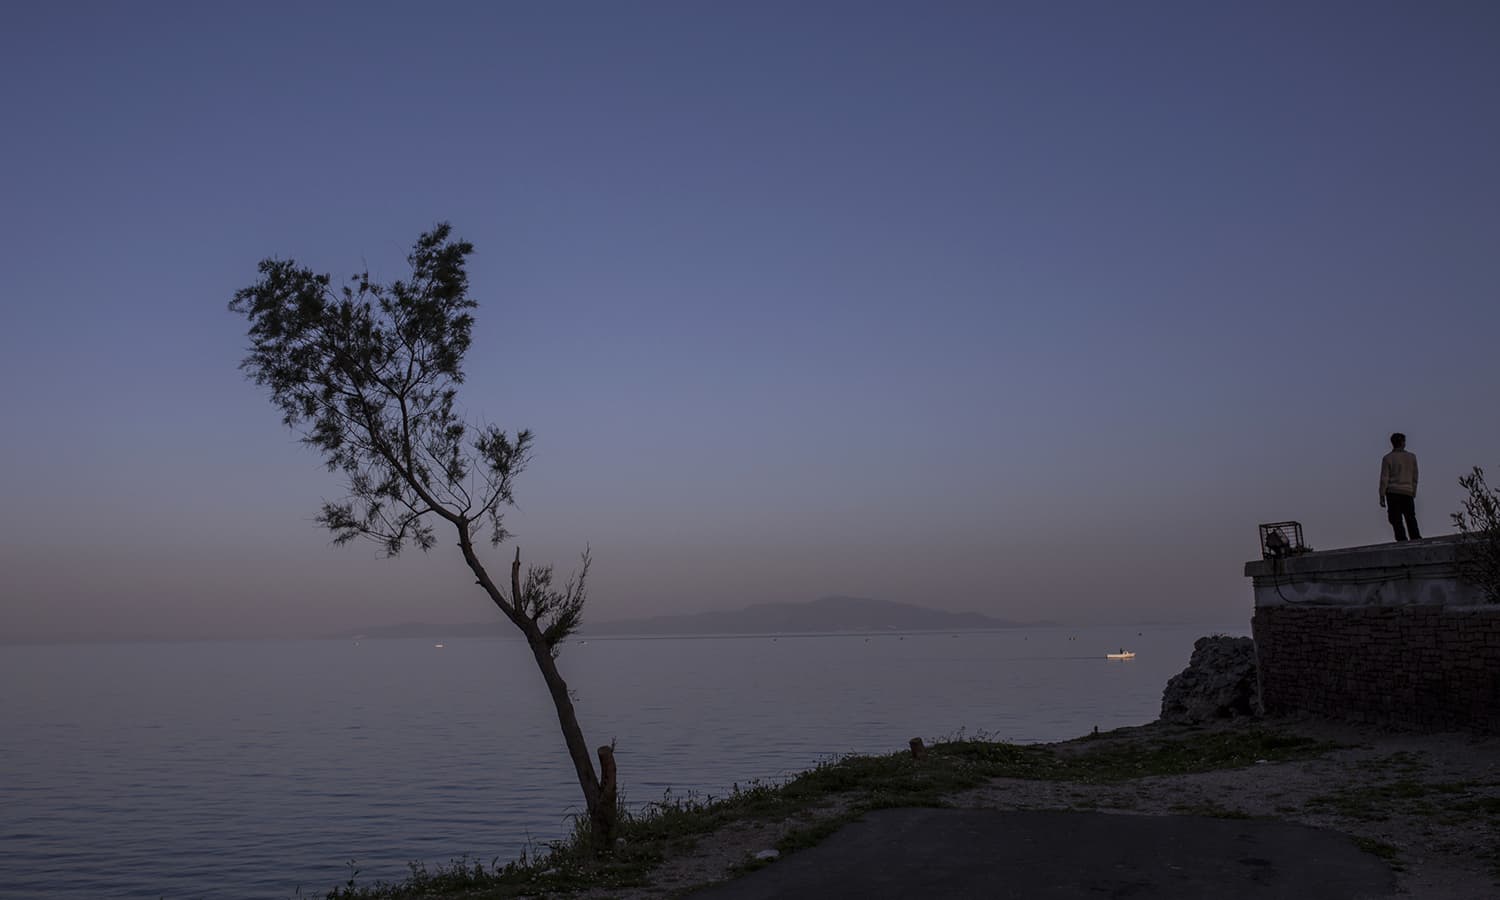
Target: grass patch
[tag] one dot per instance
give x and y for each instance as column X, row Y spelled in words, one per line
column 1478, row 807
column 1378, row 848
column 859, row 783
column 1209, row 809
column 1388, row 852
column 1402, row 762
column 1102, row 760
column 1376, row 802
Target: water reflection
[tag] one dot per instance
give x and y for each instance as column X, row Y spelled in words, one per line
column 248, row 769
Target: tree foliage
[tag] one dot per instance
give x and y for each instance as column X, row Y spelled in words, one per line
column 368, row 373
column 1479, row 520
column 561, row 610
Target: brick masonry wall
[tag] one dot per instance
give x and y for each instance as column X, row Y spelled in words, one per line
column 1423, row 667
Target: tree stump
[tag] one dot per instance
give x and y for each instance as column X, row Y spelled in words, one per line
column 604, row 815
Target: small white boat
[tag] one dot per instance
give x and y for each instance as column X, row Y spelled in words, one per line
column 437, row 646
column 1123, row 654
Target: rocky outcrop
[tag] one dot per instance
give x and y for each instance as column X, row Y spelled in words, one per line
column 1219, row 683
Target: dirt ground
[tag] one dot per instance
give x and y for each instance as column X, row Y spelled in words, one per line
column 1428, row 804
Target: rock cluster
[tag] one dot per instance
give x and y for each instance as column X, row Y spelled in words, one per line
column 1219, row 683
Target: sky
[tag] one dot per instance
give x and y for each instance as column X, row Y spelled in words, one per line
column 1030, row 309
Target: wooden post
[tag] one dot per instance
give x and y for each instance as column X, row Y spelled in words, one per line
column 604, row 815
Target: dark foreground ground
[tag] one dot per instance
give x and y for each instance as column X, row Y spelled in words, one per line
column 1241, row 809
column 959, row 853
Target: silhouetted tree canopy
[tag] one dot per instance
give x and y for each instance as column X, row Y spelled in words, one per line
column 368, row 373
column 1479, row 521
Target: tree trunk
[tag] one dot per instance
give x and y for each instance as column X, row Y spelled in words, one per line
column 601, row 809
column 578, row 748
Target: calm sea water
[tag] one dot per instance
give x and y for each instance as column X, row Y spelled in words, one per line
column 252, row 769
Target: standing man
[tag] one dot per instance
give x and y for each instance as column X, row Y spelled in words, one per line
column 1398, row 488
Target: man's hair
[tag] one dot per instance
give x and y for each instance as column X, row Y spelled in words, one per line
column 1398, row 440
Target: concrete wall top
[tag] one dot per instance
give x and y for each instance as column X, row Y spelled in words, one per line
column 1425, row 572
column 1439, row 551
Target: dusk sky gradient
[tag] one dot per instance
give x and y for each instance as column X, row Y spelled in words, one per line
column 1031, row 309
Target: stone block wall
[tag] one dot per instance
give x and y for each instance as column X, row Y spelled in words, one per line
column 1427, row 667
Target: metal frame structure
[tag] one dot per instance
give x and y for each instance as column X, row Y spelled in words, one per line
column 1290, row 541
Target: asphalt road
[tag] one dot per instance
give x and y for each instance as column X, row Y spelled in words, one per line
column 917, row 854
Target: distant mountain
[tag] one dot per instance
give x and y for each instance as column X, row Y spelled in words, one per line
column 823, row 615
column 429, row 630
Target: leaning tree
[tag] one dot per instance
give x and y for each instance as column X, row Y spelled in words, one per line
column 368, row 374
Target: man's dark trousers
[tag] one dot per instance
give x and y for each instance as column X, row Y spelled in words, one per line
column 1399, row 509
